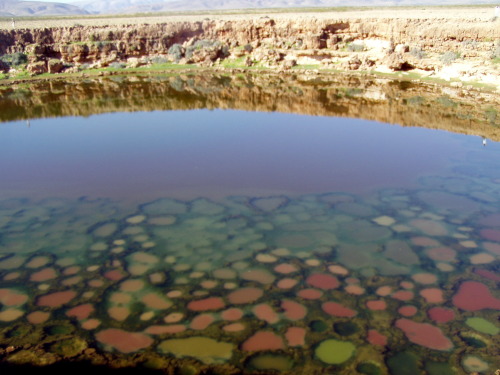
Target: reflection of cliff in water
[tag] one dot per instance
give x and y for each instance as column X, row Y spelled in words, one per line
column 383, row 100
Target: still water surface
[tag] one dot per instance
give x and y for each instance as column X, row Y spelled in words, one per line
column 256, row 241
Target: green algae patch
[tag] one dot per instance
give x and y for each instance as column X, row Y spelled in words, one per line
column 482, row 325
column 271, row 362
column 205, row 349
column 335, row 352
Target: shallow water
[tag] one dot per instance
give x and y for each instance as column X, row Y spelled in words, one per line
column 256, row 241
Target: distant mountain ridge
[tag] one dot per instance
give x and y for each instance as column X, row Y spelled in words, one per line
column 36, row 8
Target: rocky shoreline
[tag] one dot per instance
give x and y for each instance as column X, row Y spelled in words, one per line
column 459, row 51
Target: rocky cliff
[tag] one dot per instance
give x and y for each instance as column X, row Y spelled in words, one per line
column 352, row 44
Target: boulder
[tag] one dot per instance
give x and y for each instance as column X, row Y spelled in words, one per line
column 55, row 66
column 37, row 68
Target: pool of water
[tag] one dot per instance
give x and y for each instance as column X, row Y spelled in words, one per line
column 248, row 241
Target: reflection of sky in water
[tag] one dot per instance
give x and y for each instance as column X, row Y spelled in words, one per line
column 214, row 153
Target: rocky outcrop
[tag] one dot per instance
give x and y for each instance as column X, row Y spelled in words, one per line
column 448, row 48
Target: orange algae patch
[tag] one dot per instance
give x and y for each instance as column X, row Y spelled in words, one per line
column 286, row 268
column 407, row 285
column 287, row 283
column 174, row 294
column 338, row 270
column 336, row 309
column 10, row 314
column 10, row 297
column 376, row 338
column 123, row 341
column 323, row 281
column 424, row 278
column 310, row 294
column 232, row 314
column 407, row 310
column 81, row 312
column 295, row 336
column 56, row 299
column 266, row 313
column 71, row 280
column 403, row 295
column 224, row 273
column 442, row 254
column 293, row 310
column 383, row 291
column 90, row 324
column 263, row 340
column 475, row 296
column 156, row 301
column 354, row 289
column 38, row 317
column 11, row 276
column 432, row 295
column 424, row 241
column 73, row 270
column 208, row 284
column 424, row 334
column 132, row 285
column 119, row 313
column 235, row 327
column 258, row 275
column 173, row 317
column 118, row 297
column 201, row 321
column 115, row 275
column 245, row 295
column 161, row 330
column 96, row 283
column 212, row 303
column 44, row 275
column 377, row 305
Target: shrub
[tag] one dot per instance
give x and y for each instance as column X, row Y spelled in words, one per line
column 356, row 47
column 448, row 57
column 176, row 51
column 117, row 65
column 158, row 60
column 15, row 59
column 417, row 53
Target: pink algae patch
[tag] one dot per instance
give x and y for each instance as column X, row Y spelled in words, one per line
column 119, row 313
column 285, row 268
column 263, row 340
column 377, row 305
column 132, row 285
column 323, row 281
column 491, row 234
column 44, row 275
column 424, row 334
column 10, row 297
column 339, row 270
column 232, row 314
column 376, row 338
column 296, row 336
column 245, row 295
column 73, row 270
column 407, row 310
column 493, row 248
column 293, row 310
column 81, row 312
column 201, row 321
column 442, row 254
column 38, row 317
column 115, row 275
column 475, row 296
column 173, row 317
column 336, row 309
column 424, row 241
column 403, row 295
column 266, row 313
column 407, row 285
column 90, row 324
column 123, row 341
column 441, row 314
column 211, row 303
column 56, row 299
column 310, row 294
column 432, row 295
column 235, row 327
column 287, row 283
column 487, row 274
column 161, row 330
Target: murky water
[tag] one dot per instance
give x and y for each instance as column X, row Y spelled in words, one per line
column 247, row 241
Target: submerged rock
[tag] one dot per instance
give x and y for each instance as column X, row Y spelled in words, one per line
column 204, row 349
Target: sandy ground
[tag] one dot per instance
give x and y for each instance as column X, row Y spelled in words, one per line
column 423, row 12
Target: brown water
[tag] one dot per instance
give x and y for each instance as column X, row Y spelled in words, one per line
column 248, row 241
